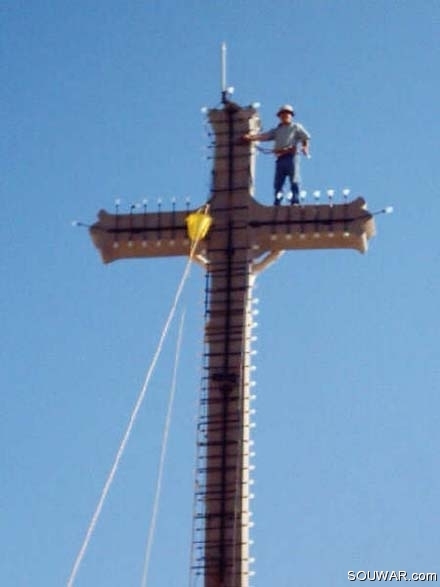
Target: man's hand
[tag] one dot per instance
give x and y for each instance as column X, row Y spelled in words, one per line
column 305, row 149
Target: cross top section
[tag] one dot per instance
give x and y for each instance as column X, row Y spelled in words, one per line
column 263, row 229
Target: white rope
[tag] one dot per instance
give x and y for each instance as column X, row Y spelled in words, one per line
column 133, row 416
column 162, row 459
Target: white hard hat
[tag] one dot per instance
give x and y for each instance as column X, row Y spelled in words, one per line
column 286, row 108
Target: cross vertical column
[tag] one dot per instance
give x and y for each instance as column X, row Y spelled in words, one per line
column 226, row 422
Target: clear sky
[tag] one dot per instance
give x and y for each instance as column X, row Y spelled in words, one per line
column 102, row 100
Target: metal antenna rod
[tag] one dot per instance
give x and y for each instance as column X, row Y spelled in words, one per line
column 223, row 74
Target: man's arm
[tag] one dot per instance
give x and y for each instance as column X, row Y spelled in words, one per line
column 304, row 137
column 264, row 136
column 305, row 147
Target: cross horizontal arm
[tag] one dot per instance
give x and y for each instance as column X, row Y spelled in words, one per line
column 271, row 228
column 338, row 226
column 152, row 234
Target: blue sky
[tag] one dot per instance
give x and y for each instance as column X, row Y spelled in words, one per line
column 103, row 100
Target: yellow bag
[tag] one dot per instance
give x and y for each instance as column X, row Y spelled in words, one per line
column 197, row 224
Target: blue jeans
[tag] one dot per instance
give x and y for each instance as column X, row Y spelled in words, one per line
column 286, row 167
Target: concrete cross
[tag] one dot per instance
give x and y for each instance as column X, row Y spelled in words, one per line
column 244, row 238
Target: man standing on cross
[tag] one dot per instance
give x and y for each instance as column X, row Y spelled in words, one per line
column 286, row 136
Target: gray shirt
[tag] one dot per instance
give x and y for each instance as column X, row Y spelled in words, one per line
column 286, row 135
